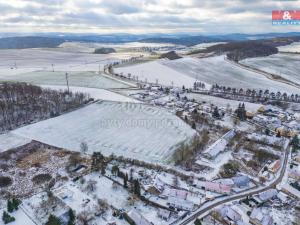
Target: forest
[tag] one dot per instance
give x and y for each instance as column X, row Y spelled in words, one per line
column 22, row 103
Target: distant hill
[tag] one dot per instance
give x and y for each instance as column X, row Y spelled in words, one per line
column 29, row 42
column 52, row 40
column 187, row 41
column 170, row 55
column 104, row 50
column 239, row 50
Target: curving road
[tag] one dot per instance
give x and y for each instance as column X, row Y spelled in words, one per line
column 244, row 194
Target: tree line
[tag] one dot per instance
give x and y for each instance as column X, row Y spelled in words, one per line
column 22, row 103
column 257, row 95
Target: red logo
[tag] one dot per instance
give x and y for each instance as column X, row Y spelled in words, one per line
column 286, row 15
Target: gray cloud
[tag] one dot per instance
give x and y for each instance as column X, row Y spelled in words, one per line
column 216, row 16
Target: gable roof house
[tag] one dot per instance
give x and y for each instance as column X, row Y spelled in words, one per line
column 230, row 215
column 241, row 181
column 258, row 218
column 213, row 186
column 137, row 218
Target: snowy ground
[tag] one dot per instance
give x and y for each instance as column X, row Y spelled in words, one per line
column 21, row 218
column 128, row 129
column 18, row 61
column 284, row 65
column 82, row 79
column 156, row 71
column 294, row 47
column 221, row 102
column 96, row 93
column 216, row 70
column 10, row 140
column 89, row 47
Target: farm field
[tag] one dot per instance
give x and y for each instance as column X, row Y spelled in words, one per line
column 294, row 47
column 80, row 79
column 95, row 93
column 132, row 47
column 125, row 129
column 285, row 65
column 214, row 70
column 157, row 71
column 27, row 60
column 9, row 140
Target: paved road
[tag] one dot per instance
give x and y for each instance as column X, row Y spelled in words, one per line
column 240, row 195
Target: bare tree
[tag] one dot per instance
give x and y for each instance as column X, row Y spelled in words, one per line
column 84, row 147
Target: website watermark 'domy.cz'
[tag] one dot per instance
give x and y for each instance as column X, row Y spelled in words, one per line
column 139, row 123
column 286, row 17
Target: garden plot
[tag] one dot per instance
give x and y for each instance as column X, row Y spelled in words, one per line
column 214, row 70
column 284, row 65
column 27, row 169
column 125, row 129
column 221, row 102
column 156, row 72
column 80, row 79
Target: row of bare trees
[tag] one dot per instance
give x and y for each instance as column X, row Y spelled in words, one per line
column 256, row 94
column 22, row 103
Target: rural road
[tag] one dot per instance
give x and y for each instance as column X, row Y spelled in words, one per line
column 238, row 196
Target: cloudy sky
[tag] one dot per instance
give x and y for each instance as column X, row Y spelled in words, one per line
column 142, row 16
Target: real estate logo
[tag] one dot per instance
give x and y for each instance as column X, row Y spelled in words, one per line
column 286, row 17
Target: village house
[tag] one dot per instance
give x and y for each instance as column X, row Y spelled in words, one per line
column 257, row 217
column 219, row 146
column 291, row 191
column 171, row 192
column 164, row 214
column 181, row 204
column 266, row 195
column 229, row 215
column 137, row 218
column 241, row 181
column 213, row 186
column 275, row 166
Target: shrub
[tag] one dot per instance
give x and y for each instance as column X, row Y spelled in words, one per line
column 5, row 181
column 41, row 178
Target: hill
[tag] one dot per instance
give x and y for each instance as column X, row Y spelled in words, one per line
column 170, row 55
column 29, row 42
column 104, row 50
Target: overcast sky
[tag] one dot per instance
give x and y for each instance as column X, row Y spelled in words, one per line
column 142, row 16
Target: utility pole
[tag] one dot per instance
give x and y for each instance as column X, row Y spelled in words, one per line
column 52, row 67
column 67, row 79
column 99, row 68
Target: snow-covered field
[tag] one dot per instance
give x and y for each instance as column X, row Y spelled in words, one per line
column 216, row 70
column 21, row 218
column 90, row 46
column 156, row 71
column 81, row 79
column 95, row 93
column 18, row 61
column 10, row 140
column 126, row 129
column 294, row 47
column 285, row 65
column 221, row 102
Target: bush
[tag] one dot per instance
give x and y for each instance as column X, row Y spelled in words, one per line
column 7, row 218
column 5, row 181
column 229, row 169
column 41, row 178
